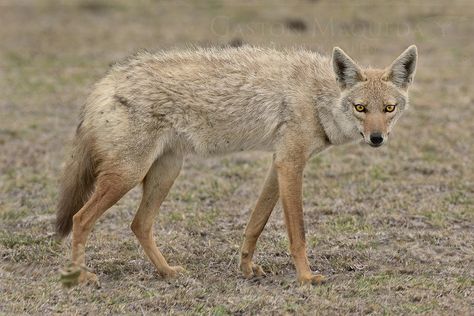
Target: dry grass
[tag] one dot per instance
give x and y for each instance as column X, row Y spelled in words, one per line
column 391, row 227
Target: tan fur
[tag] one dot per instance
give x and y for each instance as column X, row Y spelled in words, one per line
column 153, row 109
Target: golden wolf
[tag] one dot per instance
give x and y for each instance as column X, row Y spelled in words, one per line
column 153, row 109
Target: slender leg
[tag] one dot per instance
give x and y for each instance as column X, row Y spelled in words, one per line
column 110, row 188
column 259, row 217
column 290, row 180
column 156, row 186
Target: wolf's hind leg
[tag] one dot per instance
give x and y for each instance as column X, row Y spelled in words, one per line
column 109, row 189
column 259, row 217
column 156, row 186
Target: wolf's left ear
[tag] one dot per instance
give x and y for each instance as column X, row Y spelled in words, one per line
column 348, row 73
column 402, row 71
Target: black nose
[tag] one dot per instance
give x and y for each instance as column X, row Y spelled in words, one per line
column 376, row 138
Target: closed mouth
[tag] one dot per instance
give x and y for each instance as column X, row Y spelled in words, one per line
column 375, row 145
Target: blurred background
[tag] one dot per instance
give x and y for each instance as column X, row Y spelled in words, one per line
column 392, row 227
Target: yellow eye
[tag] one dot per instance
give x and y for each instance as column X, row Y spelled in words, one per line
column 359, row 108
column 389, row 108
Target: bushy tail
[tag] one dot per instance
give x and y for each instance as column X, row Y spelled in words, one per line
column 77, row 183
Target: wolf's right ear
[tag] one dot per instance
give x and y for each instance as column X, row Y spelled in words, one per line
column 348, row 73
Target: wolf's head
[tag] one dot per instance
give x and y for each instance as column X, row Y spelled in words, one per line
column 374, row 99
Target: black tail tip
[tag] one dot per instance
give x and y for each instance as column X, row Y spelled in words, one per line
column 63, row 229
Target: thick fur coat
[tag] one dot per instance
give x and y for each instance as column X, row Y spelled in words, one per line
column 152, row 109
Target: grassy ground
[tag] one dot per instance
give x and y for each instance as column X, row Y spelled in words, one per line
column 391, row 227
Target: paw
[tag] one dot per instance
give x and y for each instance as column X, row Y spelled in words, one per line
column 173, row 272
column 312, row 279
column 251, row 270
column 74, row 275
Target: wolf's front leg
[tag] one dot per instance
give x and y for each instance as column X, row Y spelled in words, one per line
column 259, row 217
column 290, row 180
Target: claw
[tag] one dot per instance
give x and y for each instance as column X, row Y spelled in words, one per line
column 314, row 279
column 252, row 270
column 173, row 272
column 72, row 275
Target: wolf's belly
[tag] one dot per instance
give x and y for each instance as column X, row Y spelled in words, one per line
column 215, row 139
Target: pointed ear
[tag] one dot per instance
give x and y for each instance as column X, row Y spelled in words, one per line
column 348, row 73
column 402, row 71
